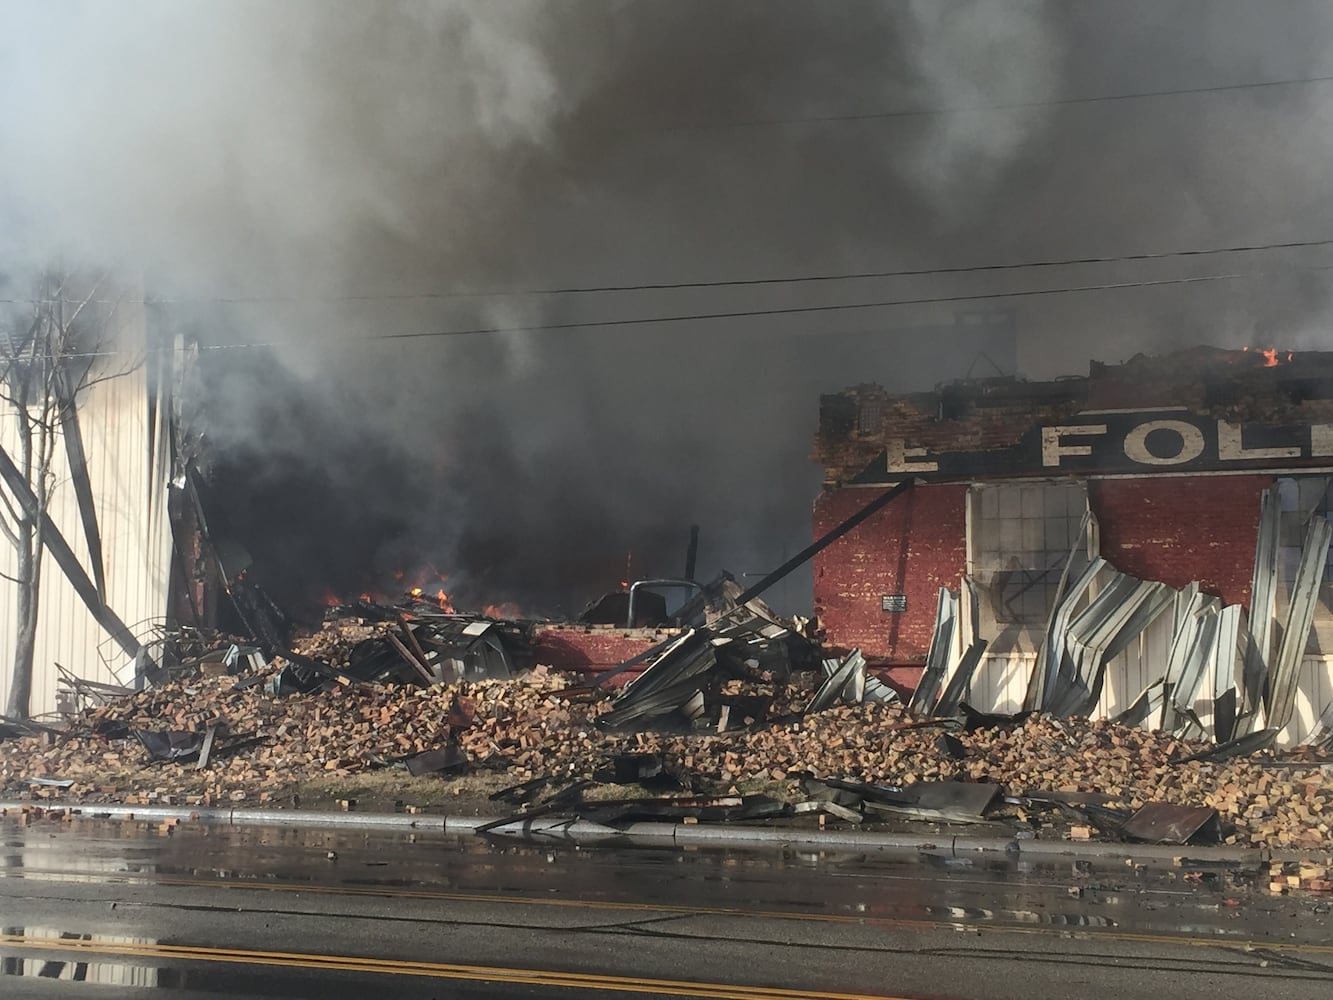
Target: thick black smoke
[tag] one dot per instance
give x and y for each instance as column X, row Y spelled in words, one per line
column 314, row 157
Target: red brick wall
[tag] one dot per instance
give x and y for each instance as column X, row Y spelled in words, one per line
column 914, row 546
column 1181, row 529
column 592, row 650
column 1173, row 529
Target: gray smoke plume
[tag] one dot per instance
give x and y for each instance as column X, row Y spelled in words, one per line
column 340, row 166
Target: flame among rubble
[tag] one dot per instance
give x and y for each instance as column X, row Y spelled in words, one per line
column 413, row 588
column 1272, row 356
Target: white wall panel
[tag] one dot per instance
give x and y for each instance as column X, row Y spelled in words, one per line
column 114, row 420
column 1314, row 698
column 1001, row 682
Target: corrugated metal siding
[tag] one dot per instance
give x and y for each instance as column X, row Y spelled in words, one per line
column 1002, row 680
column 1314, row 697
column 1137, row 667
column 114, row 420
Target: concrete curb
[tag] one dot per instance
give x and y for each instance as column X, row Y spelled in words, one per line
column 646, row 834
column 304, row 819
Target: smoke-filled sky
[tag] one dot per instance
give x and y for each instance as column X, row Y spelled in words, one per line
column 349, row 169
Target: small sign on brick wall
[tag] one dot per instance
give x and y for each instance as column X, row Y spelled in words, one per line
column 894, row 604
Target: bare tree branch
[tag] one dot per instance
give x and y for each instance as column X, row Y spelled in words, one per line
column 111, row 377
column 67, row 323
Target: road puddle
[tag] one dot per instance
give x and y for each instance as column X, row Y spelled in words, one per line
column 73, row 957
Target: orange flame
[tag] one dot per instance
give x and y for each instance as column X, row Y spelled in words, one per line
column 442, row 599
column 1272, row 356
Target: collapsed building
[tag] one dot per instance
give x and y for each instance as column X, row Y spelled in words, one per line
column 1147, row 543
column 1144, row 548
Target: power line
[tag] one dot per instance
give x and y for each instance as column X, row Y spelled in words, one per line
column 741, row 282
column 1006, row 106
column 737, row 314
column 836, row 307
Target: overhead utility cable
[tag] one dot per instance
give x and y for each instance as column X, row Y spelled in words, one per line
column 739, row 313
column 922, row 272
column 835, row 307
column 963, row 109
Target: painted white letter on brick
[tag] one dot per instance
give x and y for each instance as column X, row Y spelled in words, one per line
column 898, row 454
column 1051, row 448
column 1191, row 442
column 1321, row 440
column 1230, row 447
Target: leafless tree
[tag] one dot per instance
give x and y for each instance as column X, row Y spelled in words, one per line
column 50, row 356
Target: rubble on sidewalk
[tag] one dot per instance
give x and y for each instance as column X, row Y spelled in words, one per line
column 1308, row 876
column 541, row 734
column 729, row 718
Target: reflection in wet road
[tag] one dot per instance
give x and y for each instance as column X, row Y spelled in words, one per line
column 274, row 912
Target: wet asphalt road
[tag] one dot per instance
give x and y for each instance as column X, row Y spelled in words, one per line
column 97, row 908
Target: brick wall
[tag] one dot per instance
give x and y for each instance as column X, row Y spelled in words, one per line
column 594, row 649
column 914, row 546
column 1181, row 529
column 1173, row 529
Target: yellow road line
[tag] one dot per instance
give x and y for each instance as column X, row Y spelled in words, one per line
column 903, row 923
column 434, row 970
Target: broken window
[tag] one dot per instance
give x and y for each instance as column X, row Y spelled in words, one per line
column 1019, row 540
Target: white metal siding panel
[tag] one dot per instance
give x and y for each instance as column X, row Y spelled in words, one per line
column 1137, row 667
column 1314, row 697
column 114, row 421
column 1001, row 682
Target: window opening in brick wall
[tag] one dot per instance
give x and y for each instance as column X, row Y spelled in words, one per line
column 869, row 418
column 1019, row 542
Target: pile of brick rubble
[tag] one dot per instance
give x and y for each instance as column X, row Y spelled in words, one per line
column 537, row 726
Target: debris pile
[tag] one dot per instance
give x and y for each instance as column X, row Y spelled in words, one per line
column 849, row 762
column 1309, row 876
column 730, row 718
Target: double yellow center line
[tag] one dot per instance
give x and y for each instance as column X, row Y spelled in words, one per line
column 431, row 970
